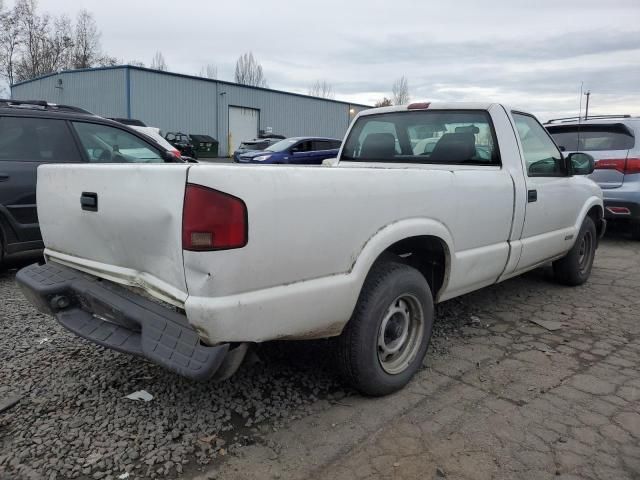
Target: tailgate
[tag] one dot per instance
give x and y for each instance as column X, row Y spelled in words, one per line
column 132, row 237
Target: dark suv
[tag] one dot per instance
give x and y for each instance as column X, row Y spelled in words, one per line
column 35, row 132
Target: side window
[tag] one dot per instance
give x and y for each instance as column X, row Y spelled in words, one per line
column 335, row 144
column 305, row 146
column 28, row 139
column 449, row 137
column 105, row 144
column 320, row 145
column 541, row 155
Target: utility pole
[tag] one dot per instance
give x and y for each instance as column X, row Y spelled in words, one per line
column 586, row 111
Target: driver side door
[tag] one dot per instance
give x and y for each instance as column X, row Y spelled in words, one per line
column 551, row 205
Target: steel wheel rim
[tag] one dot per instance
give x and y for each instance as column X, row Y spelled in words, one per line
column 400, row 334
column 584, row 251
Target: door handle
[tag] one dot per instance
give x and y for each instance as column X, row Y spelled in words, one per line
column 532, row 196
column 89, row 201
column 4, row 177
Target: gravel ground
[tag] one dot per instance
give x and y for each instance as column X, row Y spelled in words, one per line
column 72, row 420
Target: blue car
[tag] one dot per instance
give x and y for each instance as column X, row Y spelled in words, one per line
column 295, row 150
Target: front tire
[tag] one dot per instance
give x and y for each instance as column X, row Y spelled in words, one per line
column 387, row 337
column 575, row 267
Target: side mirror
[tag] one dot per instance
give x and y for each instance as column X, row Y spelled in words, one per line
column 581, row 163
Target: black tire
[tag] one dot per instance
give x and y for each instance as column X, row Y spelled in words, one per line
column 575, row 267
column 367, row 366
column 635, row 230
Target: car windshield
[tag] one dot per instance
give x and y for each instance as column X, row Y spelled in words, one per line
column 282, row 145
column 590, row 138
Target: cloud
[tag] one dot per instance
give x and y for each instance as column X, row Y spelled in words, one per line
column 531, row 53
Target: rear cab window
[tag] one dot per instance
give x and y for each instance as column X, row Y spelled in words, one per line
column 451, row 137
column 29, row 139
column 593, row 138
column 105, row 144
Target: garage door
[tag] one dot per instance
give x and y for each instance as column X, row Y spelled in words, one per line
column 243, row 125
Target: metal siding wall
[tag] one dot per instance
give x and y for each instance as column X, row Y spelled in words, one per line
column 174, row 103
column 101, row 91
column 288, row 115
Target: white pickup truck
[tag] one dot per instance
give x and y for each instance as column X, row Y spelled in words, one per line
column 187, row 265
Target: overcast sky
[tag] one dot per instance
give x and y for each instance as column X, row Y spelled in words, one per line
column 529, row 53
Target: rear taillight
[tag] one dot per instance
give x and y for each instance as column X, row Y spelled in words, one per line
column 212, row 220
column 176, row 153
column 633, row 166
column 623, row 165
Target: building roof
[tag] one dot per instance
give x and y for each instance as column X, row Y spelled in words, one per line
column 182, row 75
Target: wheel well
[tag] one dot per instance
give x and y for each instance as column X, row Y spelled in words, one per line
column 427, row 254
column 596, row 215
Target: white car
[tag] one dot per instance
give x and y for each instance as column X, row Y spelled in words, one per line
column 187, row 265
column 154, row 133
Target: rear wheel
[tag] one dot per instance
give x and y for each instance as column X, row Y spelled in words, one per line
column 386, row 339
column 635, row 230
column 575, row 267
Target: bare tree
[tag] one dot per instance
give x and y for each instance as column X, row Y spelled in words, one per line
column 86, row 50
column 46, row 43
column 249, row 71
column 135, row 63
column 9, row 43
column 34, row 33
column 322, row 89
column 209, row 71
column 158, row 62
column 32, row 45
column 401, row 91
column 385, row 102
column 107, row 61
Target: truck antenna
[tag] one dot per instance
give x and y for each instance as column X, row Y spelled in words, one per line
column 579, row 118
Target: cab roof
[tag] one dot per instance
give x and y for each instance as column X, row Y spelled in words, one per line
column 432, row 106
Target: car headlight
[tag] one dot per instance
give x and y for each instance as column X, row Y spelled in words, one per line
column 262, row 158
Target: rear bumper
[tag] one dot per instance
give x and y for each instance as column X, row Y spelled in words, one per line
column 116, row 318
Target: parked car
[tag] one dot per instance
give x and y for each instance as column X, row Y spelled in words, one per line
column 359, row 250
column 34, row 133
column 295, row 150
column 153, row 133
column 182, row 142
column 613, row 140
column 254, row 145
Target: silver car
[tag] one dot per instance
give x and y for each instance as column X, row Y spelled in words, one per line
column 614, row 142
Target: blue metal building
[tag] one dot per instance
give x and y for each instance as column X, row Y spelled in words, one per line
column 226, row 111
